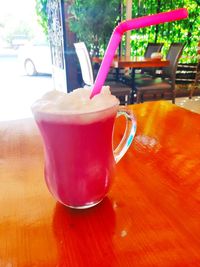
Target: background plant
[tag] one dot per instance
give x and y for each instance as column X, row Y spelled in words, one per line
column 94, row 20
column 185, row 31
column 41, row 10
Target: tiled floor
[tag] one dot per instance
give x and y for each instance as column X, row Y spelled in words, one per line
column 191, row 104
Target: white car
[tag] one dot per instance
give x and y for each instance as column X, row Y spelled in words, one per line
column 35, row 57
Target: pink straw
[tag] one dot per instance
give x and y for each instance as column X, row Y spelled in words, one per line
column 124, row 26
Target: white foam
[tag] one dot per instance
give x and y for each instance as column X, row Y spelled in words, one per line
column 76, row 103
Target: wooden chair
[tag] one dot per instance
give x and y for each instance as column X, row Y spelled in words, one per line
column 145, row 73
column 151, row 48
column 196, row 84
column 120, row 90
column 163, row 87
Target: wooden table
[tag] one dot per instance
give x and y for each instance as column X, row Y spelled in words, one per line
column 134, row 63
column 151, row 216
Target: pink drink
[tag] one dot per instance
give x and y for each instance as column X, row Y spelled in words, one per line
column 78, row 167
column 79, row 160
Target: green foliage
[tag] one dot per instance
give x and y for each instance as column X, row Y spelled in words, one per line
column 41, row 11
column 185, row 31
column 94, row 20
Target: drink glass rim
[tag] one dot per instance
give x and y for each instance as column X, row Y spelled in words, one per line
column 72, row 114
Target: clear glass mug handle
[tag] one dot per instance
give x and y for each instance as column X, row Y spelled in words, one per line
column 129, row 133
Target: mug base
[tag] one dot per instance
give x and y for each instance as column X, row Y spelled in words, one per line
column 87, row 206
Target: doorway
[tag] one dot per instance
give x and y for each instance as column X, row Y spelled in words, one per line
column 23, row 55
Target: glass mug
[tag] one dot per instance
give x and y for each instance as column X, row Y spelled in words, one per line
column 79, row 156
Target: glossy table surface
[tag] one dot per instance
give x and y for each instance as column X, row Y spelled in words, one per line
column 135, row 62
column 151, row 216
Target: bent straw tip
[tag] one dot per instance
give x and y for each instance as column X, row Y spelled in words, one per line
column 182, row 11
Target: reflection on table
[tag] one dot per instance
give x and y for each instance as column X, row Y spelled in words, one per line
column 149, row 218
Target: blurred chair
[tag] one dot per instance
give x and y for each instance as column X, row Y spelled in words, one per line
column 120, row 90
column 196, row 84
column 145, row 73
column 151, row 48
column 163, row 87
